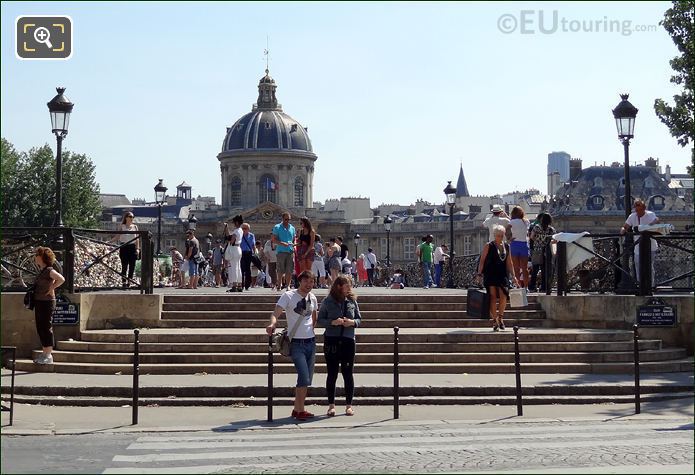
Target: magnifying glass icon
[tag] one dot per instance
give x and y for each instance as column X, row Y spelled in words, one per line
column 42, row 35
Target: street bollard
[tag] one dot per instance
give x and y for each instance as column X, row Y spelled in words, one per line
column 270, row 378
column 517, row 369
column 395, row 374
column 635, row 330
column 136, row 374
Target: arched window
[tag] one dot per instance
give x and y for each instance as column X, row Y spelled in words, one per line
column 235, row 196
column 657, row 203
column 267, row 189
column 298, row 191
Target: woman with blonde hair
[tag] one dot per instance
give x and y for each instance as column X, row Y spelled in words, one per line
column 518, row 226
column 339, row 314
column 496, row 269
column 45, row 284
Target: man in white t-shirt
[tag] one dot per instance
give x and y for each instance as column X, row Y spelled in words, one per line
column 300, row 308
column 498, row 217
column 639, row 217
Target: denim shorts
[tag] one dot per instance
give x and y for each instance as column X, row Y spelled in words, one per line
column 303, row 354
column 519, row 248
column 192, row 268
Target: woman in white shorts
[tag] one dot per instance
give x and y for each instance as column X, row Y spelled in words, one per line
column 318, row 267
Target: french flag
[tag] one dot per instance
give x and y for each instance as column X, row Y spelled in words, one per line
column 270, row 184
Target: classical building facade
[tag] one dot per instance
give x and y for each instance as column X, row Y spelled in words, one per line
column 267, row 157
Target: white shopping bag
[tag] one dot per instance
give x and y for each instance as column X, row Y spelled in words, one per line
column 518, row 298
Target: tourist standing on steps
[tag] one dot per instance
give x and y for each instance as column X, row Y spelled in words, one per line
column 305, row 245
column 370, row 264
column 192, row 251
column 299, row 306
column 518, row 226
column 269, row 250
column 339, row 315
column 129, row 250
column 499, row 217
column 232, row 254
column 45, row 300
column 217, row 257
column 440, row 256
column 425, row 253
column 541, row 235
column 496, row 269
column 248, row 245
column 283, row 237
column 318, row 268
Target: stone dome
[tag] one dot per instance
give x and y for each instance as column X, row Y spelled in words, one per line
column 266, row 127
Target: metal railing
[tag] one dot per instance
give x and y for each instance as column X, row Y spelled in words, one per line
column 86, row 257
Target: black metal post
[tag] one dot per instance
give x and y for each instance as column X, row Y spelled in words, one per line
column 136, row 374
column 645, row 264
column 388, row 248
column 69, row 260
column 450, row 278
column 635, row 330
column 561, row 268
column 270, row 379
column 159, row 229
column 626, row 286
column 59, row 182
column 517, row 369
column 396, row 385
column 548, row 269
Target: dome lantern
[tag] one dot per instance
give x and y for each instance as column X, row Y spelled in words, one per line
column 266, row 93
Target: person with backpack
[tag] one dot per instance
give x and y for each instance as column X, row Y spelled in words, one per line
column 248, row 246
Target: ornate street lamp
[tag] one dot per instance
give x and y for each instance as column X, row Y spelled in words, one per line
column 450, row 193
column 357, row 240
column 60, row 108
column 160, row 192
column 387, row 226
column 624, row 115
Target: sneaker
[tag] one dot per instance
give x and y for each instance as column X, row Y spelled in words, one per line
column 295, row 413
column 495, row 328
column 43, row 359
column 502, row 326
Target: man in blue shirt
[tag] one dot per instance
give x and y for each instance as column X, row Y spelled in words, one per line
column 248, row 243
column 283, row 236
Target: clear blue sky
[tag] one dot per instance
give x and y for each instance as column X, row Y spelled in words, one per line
column 395, row 95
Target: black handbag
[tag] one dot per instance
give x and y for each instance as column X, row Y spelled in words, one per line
column 478, row 303
column 29, row 300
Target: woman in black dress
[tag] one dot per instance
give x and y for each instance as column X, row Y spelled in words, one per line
column 497, row 271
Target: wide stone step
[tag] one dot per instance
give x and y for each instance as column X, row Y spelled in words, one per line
column 364, row 307
column 272, row 298
column 375, row 323
column 366, row 315
column 363, row 358
column 231, row 335
column 386, row 369
column 362, row 347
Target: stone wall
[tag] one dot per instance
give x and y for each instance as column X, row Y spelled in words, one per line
column 619, row 312
column 98, row 311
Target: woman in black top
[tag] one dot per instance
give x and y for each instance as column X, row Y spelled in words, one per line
column 496, row 269
column 45, row 300
column 305, row 245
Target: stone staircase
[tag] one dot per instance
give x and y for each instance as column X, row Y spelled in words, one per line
column 223, row 334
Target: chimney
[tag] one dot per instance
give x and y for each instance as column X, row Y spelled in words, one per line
column 575, row 168
column 667, row 176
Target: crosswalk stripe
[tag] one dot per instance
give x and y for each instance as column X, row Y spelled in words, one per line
column 196, row 469
column 302, row 442
column 442, row 446
column 322, row 433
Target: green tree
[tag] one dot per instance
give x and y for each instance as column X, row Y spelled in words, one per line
column 28, row 188
column 678, row 22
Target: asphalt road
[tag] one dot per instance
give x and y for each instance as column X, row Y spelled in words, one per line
column 614, row 446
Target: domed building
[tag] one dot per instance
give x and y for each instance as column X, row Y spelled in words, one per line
column 267, row 157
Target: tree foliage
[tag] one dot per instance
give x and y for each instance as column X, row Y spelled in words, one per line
column 678, row 117
column 29, row 182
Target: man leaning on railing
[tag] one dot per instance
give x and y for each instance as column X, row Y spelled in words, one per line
column 640, row 217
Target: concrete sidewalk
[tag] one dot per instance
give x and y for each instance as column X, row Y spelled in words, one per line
column 48, row 420
column 366, row 380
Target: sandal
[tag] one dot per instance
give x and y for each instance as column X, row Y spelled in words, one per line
column 331, row 412
column 349, row 411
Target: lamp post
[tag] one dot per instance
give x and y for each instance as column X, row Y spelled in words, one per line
column 624, row 115
column 357, row 240
column 60, row 108
column 159, row 196
column 450, row 193
column 387, row 226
